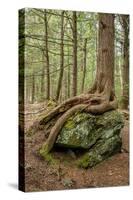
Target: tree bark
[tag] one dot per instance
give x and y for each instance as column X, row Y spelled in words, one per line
column 47, row 55
column 84, row 67
column 74, row 87
column 120, row 70
column 125, row 74
column 68, row 76
column 105, row 60
column 33, row 89
column 43, row 77
column 61, row 57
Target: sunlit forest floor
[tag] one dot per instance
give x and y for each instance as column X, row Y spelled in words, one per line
column 40, row 175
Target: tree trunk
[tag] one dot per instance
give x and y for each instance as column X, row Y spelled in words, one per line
column 84, row 67
column 105, row 60
column 101, row 97
column 125, row 74
column 74, row 87
column 43, row 78
column 47, row 55
column 68, row 76
column 33, row 89
column 120, row 70
column 61, row 57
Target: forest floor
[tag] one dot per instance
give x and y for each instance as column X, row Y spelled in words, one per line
column 42, row 176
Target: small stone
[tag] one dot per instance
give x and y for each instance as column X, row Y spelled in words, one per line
column 67, row 182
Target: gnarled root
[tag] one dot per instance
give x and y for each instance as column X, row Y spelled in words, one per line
column 95, row 105
column 98, row 100
column 65, row 106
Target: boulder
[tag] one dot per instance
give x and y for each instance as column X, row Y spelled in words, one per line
column 99, row 135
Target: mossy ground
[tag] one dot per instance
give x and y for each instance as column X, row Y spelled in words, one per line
column 48, row 156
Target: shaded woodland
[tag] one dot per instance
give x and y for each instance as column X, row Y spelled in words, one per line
column 61, row 50
column 72, row 63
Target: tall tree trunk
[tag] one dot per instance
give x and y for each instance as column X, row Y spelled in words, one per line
column 47, row 55
column 105, row 60
column 65, row 85
column 61, row 57
column 68, row 82
column 68, row 76
column 33, row 89
column 125, row 74
column 43, row 77
column 120, row 70
column 74, row 87
column 84, row 67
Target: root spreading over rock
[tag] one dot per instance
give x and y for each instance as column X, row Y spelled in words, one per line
column 99, row 99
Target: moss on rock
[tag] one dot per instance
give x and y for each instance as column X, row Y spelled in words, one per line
column 82, row 130
column 100, row 151
column 98, row 134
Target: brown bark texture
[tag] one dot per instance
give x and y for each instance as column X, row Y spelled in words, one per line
column 125, row 70
column 33, row 88
column 61, row 57
column 74, row 89
column 47, row 54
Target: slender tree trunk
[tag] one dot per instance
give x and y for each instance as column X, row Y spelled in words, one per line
column 47, row 55
column 84, row 67
column 33, row 89
column 65, row 85
column 125, row 74
column 68, row 82
column 61, row 57
column 26, row 91
column 43, row 78
column 74, row 87
column 68, row 76
column 120, row 70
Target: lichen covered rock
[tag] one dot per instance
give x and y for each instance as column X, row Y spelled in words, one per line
column 98, row 134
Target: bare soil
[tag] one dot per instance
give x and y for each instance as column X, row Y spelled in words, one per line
column 40, row 175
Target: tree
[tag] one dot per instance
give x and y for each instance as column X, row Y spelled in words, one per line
column 43, row 77
column 84, row 67
column 125, row 73
column 61, row 57
column 101, row 97
column 74, row 89
column 33, row 89
column 47, row 54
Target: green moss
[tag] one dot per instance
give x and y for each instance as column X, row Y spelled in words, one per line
column 79, row 117
column 103, row 149
column 69, row 124
column 51, row 103
column 111, row 118
column 47, row 156
column 89, row 160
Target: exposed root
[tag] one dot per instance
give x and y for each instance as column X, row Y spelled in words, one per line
column 101, row 99
column 96, row 105
column 58, row 125
column 65, row 106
